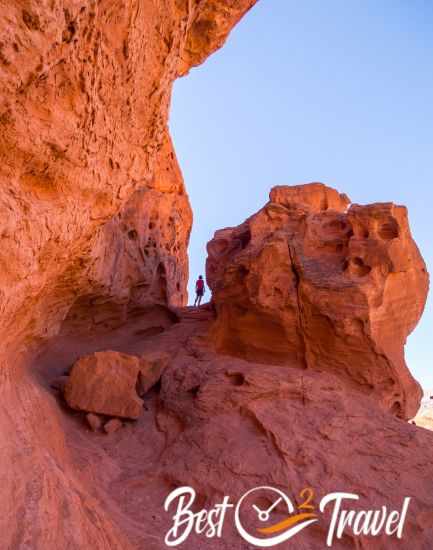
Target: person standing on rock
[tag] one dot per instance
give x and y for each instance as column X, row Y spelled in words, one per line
column 199, row 290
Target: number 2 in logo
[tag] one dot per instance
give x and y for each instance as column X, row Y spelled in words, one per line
column 308, row 495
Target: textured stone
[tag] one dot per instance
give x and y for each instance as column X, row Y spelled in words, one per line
column 85, row 152
column 212, row 23
column 250, row 424
column 112, row 425
column 224, row 425
column 105, row 383
column 311, row 282
column 97, row 227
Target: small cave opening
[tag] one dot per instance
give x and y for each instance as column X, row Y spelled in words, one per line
column 389, row 230
column 396, row 409
column 162, row 278
column 356, row 266
column 132, row 235
column 359, row 268
column 243, row 272
column 244, row 238
column 194, row 391
column 236, row 378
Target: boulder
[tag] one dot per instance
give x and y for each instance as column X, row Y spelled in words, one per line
column 314, row 282
column 94, row 421
column 104, row 383
column 112, row 425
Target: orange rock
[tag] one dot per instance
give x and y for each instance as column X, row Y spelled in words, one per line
column 97, row 96
column 105, row 383
column 309, row 282
column 98, row 224
column 220, row 424
column 211, row 25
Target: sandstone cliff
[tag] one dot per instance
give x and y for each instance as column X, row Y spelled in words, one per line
column 85, row 91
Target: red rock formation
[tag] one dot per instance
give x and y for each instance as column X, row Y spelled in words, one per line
column 94, row 249
column 94, row 421
column 85, row 91
column 233, row 425
column 224, row 425
column 151, row 369
column 309, row 282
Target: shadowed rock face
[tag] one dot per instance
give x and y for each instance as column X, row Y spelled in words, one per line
column 309, row 281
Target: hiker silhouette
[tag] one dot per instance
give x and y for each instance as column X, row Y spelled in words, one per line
column 199, row 290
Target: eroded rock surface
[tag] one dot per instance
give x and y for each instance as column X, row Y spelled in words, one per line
column 85, row 92
column 233, row 425
column 94, row 421
column 112, row 425
column 224, row 425
column 311, row 281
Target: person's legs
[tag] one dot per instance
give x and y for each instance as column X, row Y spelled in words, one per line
column 199, row 299
column 196, row 299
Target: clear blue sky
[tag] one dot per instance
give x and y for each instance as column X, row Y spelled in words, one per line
column 338, row 91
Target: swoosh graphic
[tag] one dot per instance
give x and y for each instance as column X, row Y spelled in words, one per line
column 286, row 523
